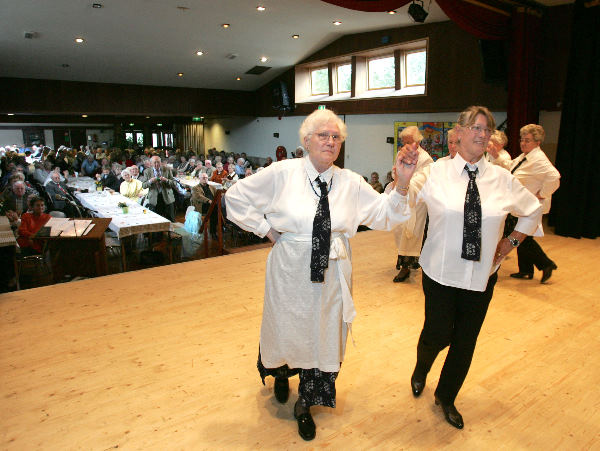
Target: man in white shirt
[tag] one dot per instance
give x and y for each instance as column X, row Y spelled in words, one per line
column 533, row 169
column 409, row 236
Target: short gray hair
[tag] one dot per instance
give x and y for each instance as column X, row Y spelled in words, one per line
column 412, row 131
column 319, row 118
column 499, row 137
column 537, row 132
column 125, row 171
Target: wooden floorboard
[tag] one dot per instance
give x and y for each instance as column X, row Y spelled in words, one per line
column 164, row 358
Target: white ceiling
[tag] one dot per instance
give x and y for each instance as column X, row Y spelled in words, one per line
column 150, row 41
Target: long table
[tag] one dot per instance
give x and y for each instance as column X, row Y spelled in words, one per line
column 82, row 183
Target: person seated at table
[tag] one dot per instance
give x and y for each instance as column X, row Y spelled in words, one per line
column 231, row 177
column 218, row 174
column 130, row 187
column 59, row 194
column 90, row 166
column 249, row 172
column 42, row 171
column 108, row 179
column 208, row 168
column 160, row 184
column 180, row 163
column 15, row 203
column 31, row 223
column 198, row 169
column 188, row 167
column 134, row 171
column 202, row 196
column 18, row 177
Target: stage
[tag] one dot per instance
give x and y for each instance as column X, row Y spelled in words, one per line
column 165, row 358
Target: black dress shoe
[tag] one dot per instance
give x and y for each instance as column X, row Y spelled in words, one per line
column 417, row 384
column 522, row 275
column 306, row 425
column 281, row 389
column 402, row 275
column 451, row 414
column 399, row 262
column 547, row 272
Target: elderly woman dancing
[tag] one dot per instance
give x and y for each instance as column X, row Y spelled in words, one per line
column 309, row 208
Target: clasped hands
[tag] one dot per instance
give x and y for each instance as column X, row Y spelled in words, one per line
column 406, row 162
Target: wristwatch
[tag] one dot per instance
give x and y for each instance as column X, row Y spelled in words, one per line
column 513, row 241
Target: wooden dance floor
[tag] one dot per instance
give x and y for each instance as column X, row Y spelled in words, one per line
column 165, row 358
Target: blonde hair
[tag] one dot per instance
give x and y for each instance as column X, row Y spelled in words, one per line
column 499, row 137
column 468, row 116
column 536, row 131
column 413, row 131
column 319, row 118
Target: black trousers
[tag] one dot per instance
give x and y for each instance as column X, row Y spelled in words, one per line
column 162, row 209
column 530, row 253
column 453, row 317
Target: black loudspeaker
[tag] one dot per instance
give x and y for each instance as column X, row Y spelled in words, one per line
column 494, row 59
column 281, row 99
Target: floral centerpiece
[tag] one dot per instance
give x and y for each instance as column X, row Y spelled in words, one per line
column 99, row 186
column 123, row 206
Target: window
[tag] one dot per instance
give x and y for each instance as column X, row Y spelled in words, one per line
column 415, row 63
column 381, row 73
column 139, row 138
column 344, row 78
column 319, row 81
column 129, row 138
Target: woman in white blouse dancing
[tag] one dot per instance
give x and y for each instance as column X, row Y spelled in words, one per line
column 308, row 305
column 467, row 199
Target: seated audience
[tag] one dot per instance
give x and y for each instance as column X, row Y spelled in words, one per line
column 231, row 177
column 108, row 179
column 240, row 168
column 130, row 187
column 248, row 172
column 15, row 203
column 268, row 162
column 299, row 152
column 199, row 169
column 375, row 183
column 208, row 168
column 219, row 173
column 90, row 166
column 59, row 193
column 31, row 223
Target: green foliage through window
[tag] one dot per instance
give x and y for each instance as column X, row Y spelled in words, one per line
column 319, row 81
column 381, row 73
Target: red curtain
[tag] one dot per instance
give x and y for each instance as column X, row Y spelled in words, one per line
column 476, row 20
column 523, row 97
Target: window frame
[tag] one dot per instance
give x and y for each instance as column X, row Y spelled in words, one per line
column 337, row 77
column 315, row 69
column 379, row 57
column 404, row 58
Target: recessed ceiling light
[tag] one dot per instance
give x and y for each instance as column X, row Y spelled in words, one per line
column 264, row 59
column 295, row 36
column 239, row 78
column 147, row 117
column 337, row 22
column 84, row 115
column 225, row 25
column 180, row 74
column 12, row 114
column 79, row 40
column 159, row 124
column 199, row 53
column 97, row 5
column 131, row 124
column 392, row 12
column 260, row 8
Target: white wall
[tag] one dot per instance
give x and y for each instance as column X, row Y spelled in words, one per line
column 366, row 147
column 49, row 138
column 10, row 137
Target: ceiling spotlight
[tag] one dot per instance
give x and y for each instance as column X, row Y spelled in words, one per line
column 97, row 5
column 260, row 8
column 180, row 74
column 238, row 78
column 225, row 25
column 337, row 22
column 147, row 117
column 264, row 59
column 84, row 115
column 417, row 12
column 79, row 40
column 295, row 36
column 12, row 114
column 199, row 53
column 392, row 12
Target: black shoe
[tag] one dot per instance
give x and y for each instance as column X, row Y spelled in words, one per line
column 451, row 414
column 402, row 275
column 306, row 425
column 399, row 262
column 547, row 272
column 417, row 384
column 281, row 389
column 522, row 275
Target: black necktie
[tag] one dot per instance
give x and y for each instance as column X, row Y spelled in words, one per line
column 321, row 236
column 518, row 164
column 471, row 246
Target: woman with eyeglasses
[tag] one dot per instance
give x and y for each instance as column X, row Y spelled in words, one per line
column 310, row 208
column 467, row 199
column 533, row 169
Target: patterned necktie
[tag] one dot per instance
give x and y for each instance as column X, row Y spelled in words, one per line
column 321, row 236
column 471, row 245
column 518, row 164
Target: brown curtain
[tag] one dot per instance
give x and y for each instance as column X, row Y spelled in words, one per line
column 191, row 137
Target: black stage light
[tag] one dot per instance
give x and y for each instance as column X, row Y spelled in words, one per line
column 417, row 12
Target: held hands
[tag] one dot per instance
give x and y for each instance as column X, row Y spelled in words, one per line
column 406, row 162
column 273, row 235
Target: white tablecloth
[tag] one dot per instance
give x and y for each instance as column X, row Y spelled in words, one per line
column 191, row 182
column 137, row 220
column 82, row 183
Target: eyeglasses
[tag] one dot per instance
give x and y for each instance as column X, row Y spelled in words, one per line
column 526, row 140
column 478, row 129
column 324, row 137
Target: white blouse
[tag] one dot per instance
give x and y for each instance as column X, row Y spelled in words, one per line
column 503, row 160
column 442, row 186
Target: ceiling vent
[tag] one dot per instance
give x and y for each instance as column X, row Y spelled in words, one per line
column 232, row 56
column 257, row 70
column 30, row 34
